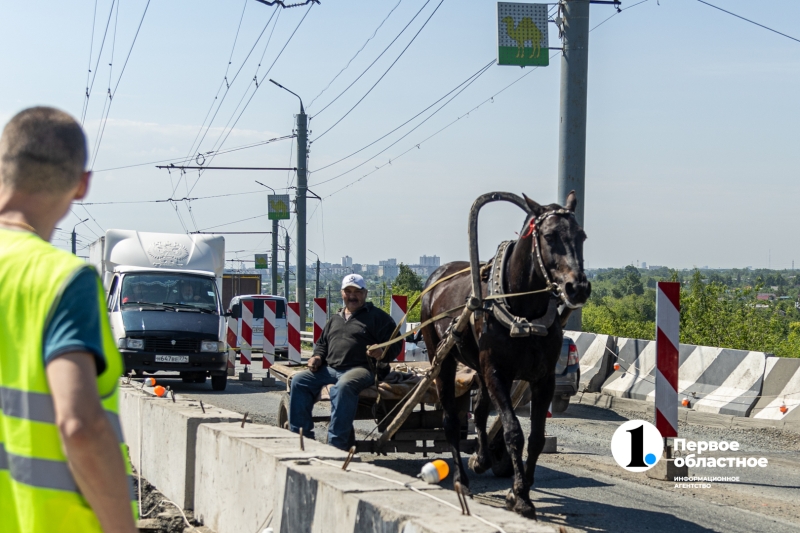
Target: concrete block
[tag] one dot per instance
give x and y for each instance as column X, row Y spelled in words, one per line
column 550, row 444
column 637, row 406
column 248, row 479
column 167, row 432
column 245, row 376
column 268, row 382
column 709, row 419
column 665, row 470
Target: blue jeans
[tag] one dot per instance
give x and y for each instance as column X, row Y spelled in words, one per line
column 347, row 385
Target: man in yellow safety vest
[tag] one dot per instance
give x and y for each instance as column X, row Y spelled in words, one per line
column 61, row 463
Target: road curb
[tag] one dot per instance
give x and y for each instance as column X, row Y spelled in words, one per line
column 686, row 416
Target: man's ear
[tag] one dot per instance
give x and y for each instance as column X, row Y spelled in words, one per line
column 83, row 186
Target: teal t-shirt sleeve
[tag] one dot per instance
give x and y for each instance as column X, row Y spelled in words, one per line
column 75, row 324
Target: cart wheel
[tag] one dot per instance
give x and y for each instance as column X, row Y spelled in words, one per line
column 283, row 411
column 560, row 404
column 501, row 460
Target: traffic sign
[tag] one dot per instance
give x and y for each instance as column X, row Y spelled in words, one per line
column 522, row 34
column 278, row 206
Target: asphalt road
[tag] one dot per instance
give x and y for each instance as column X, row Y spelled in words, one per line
column 583, row 489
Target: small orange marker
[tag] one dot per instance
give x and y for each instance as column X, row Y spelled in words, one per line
column 784, row 408
column 685, row 402
column 616, row 366
column 160, row 391
column 150, row 382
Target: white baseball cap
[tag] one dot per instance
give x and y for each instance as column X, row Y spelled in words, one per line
column 353, row 280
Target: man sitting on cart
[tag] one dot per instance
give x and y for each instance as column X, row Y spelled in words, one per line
column 341, row 359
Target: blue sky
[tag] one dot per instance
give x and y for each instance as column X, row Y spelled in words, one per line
column 692, row 143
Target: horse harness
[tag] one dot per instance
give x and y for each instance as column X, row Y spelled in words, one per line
column 500, row 308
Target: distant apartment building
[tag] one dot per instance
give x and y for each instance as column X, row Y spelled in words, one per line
column 429, row 261
column 388, row 262
column 347, row 261
column 388, row 272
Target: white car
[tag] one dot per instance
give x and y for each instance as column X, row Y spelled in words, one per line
column 281, row 331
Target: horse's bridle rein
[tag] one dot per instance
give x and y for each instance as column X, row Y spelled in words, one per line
column 537, row 252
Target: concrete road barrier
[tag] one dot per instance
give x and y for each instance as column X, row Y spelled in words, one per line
column 781, row 387
column 714, row 380
column 168, row 437
column 241, row 479
column 251, row 478
column 597, row 355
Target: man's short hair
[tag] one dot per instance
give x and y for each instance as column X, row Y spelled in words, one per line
column 42, row 149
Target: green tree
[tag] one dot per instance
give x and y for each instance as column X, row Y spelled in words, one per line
column 406, row 281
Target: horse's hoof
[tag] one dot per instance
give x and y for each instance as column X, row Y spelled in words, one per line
column 520, row 506
column 475, row 465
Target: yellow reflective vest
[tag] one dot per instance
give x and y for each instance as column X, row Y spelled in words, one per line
column 38, row 493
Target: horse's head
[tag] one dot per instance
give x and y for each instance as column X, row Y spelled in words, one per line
column 558, row 248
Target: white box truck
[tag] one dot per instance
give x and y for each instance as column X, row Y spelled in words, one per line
column 163, row 299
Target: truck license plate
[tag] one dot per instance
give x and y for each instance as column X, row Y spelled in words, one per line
column 172, row 358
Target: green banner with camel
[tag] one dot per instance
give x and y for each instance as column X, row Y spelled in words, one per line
column 522, row 34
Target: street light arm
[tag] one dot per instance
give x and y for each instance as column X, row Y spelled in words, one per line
column 267, row 186
column 288, row 91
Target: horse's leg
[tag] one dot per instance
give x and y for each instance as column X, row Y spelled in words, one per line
column 541, row 395
column 481, row 460
column 518, row 498
column 452, row 425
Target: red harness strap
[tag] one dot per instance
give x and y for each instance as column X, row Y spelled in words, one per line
column 531, row 229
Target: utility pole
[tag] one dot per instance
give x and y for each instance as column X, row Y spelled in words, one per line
column 300, row 202
column 286, row 269
column 302, row 186
column 316, row 285
column 274, row 258
column 572, row 127
column 75, row 237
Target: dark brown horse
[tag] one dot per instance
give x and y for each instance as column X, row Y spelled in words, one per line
column 498, row 357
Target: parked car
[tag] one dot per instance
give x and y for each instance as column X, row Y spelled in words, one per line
column 568, row 375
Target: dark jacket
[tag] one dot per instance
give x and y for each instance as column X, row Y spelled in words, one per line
column 343, row 343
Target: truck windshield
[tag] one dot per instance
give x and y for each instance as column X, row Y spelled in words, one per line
column 169, row 289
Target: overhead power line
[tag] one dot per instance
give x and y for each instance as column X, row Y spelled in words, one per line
column 419, row 144
column 478, row 73
column 375, row 60
column 384, row 74
column 119, row 79
column 177, row 199
column 258, row 84
column 285, row 6
column 356, row 54
column 750, row 21
column 99, row 55
column 409, row 132
column 199, row 157
column 227, row 85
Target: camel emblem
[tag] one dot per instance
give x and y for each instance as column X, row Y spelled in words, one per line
column 526, row 30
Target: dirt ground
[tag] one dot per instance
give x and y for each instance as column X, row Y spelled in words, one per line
column 159, row 515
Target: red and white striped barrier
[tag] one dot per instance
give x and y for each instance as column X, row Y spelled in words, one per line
column 320, row 317
column 246, row 348
column 668, row 320
column 232, row 338
column 397, row 311
column 550, row 410
column 293, row 327
column 268, row 349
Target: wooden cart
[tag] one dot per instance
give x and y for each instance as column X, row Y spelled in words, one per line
column 421, row 432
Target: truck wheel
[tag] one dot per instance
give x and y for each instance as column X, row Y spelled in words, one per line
column 219, row 382
column 560, row 404
column 283, row 411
